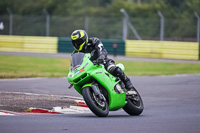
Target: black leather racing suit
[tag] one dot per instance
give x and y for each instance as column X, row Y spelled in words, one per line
column 99, row 53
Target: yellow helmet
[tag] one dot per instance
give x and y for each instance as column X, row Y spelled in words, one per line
column 79, row 39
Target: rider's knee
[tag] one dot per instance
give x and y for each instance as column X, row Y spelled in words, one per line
column 111, row 68
column 114, row 70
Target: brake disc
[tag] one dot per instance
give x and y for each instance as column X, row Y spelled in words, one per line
column 99, row 101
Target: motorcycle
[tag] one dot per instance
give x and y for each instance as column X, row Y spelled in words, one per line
column 101, row 91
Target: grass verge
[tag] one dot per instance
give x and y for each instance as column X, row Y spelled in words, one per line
column 25, row 67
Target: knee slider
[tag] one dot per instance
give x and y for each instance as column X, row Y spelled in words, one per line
column 115, row 71
column 118, row 71
column 111, row 68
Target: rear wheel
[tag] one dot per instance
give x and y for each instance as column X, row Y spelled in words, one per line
column 97, row 106
column 135, row 104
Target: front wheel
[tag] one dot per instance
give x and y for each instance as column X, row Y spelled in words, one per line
column 97, row 106
column 134, row 104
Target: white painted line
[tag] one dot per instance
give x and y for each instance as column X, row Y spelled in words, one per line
column 179, row 75
column 77, row 101
column 65, row 110
column 34, row 94
column 5, row 113
column 21, row 79
column 82, row 109
column 1, row 113
column 37, row 78
column 71, row 109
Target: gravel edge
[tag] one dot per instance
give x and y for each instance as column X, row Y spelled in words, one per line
column 19, row 102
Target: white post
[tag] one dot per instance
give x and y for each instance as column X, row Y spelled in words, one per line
column 198, row 30
column 198, row 27
column 125, row 25
column 47, row 22
column 11, row 21
column 86, row 22
column 127, row 22
column 161, row 26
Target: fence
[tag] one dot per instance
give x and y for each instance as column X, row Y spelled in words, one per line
column 107, row 28
column 115, row 29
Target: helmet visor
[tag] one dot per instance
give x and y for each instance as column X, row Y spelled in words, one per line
column 77, row 43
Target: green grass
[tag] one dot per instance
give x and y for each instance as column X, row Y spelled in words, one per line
column 23, row 67
column 159, row 68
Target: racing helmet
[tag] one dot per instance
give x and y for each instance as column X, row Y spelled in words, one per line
column 79, row 39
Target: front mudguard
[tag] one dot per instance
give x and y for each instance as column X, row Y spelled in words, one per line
column 95, row 90
column 87, row 85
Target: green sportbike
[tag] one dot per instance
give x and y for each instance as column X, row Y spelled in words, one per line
column 101, row 91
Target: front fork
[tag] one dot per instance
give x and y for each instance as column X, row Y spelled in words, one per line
column 97, row 92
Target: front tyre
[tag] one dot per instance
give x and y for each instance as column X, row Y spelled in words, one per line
column 134, row 104
column 97, row 106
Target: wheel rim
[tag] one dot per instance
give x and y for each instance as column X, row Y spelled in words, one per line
column 99, row 103
column 135, row 99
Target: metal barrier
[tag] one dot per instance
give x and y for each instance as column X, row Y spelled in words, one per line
column 102, row 27
column 113, row 46
column 163, row 49
column 157, row 49
column 28, row 44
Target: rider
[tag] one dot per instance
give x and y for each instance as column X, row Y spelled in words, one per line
column 82, row 43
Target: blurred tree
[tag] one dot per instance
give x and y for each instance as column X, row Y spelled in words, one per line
column 3, row 5
column 146, row 8
column 193, row 6
column 178, row 5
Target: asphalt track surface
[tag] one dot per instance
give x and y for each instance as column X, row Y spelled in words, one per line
column 171, row 106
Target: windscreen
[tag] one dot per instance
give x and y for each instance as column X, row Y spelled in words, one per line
column 76, row 60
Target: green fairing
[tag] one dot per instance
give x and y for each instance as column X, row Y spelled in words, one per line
column 83, row 79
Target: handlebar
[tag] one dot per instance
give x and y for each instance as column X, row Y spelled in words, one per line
column 95, row 62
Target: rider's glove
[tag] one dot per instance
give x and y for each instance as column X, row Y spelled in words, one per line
column 101, row 60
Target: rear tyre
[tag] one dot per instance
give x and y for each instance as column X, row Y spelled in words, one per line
column 134, row 105
column 97, row 106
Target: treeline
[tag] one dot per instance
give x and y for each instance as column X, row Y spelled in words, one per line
column 103, row 8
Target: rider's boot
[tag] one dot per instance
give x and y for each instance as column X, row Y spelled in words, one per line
column 127, row 82
column 129, row 86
